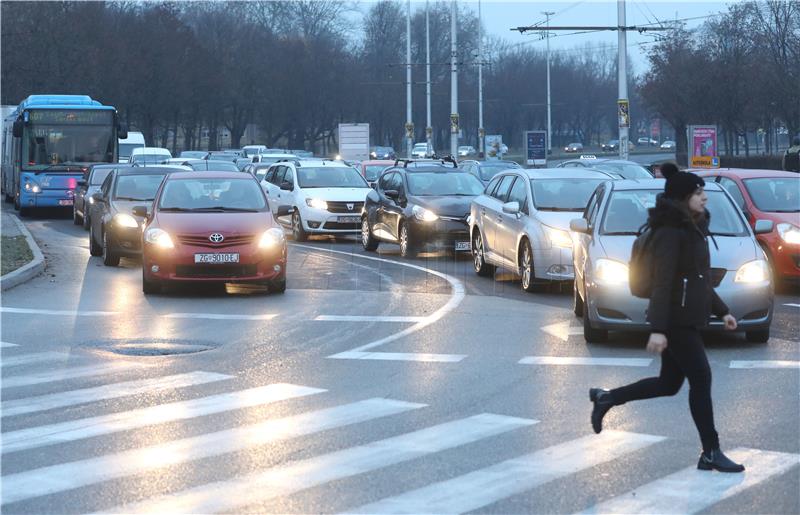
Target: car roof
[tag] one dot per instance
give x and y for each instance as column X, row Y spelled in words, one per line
column 562, row 173
column 388, row 162
column 427, row 168
column 150, row 150
column 604, row 160
column 321, row 162
column 202, row 174
column 651, row 184
column 147, row 170
column 744, row 173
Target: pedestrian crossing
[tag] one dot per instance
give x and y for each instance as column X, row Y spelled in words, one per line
column 308, row 414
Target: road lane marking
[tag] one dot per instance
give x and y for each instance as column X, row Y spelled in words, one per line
column 282, row 480
column 56, row 312
column 220, row 316
column 105, row 392
column 455, row 299
column 562, row 330
column 670, row 494
column 766, row 364
column 7, row 344
column 73, row 430
column 583, row 361
column 401, row 356
column 480, row 488
column 793, row 305
column 64, row 374
column 28, row 359
column 68, row 476
column 359, row 318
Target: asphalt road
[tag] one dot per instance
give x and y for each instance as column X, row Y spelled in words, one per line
column 373, row 385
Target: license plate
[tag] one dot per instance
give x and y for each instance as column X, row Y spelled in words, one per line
column 463, row 245
column 217, row 258
column 348, row 219
column 66, row 202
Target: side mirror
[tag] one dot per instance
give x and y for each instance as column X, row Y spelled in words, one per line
column 286, row 186
column 81, row 183
column 579, row 225
column 122, row 131
column 392, row 194
column 284, row 211
column 140, row 211
column 18, row 124
column 511, row 208
column 764, row 226
column 97, row 197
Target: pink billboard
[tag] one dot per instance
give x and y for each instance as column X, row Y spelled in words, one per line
column 704, row 141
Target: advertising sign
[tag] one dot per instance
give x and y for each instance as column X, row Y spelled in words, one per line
column 494, row 146
column 705, row 162
column 623, row 113
column 702, row 140
column 536, row 148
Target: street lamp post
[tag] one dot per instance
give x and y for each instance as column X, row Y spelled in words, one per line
column 481, row 131
column 622, row 79
column 409, row 122
column 454, row 122
column 428, row 127
column 549, row 123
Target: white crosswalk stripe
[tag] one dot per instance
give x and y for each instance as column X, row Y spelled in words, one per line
column 30, row 359
column 485, row 486
column 14, row 441
column 774, row 363
column 64, row 374
column 67, row 476
column 300, row 475
column 105, row 392
column 7, row 344
column 585, row 361
column 691, row 490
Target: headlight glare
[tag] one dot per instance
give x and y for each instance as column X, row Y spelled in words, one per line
column 789, row 233
column 159, row 238
column 753, row 272
column 424, row 215
column 610, row 272
column 125, row 220
column 317, row 203
column 559, row 238
column 271, row 238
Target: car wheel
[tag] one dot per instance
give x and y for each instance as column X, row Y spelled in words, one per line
column 526, row 268
column 482, row 268
column 94, row 248
column 86, row 221
column 76, row 219
column 407, row 247
column 590, row 334
column 577, row 301
column 298, row 232
column 149, row 286
column 760, row 336
column 277, row 285
column 110, row 258
column 368, row 241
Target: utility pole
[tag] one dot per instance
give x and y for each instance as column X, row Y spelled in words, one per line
column 453, row 81
column 549, row 122
column 481, row 131
column 623, row 107
column 409, row 122
column 428, row 127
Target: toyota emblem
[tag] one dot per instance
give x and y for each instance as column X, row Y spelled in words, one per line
column 350, row 207
column 216, row 238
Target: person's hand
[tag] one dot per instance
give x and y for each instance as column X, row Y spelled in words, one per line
column 730, row 322
column 657, row 343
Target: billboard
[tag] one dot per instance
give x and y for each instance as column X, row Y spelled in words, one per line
column 535, row 148
column 494, row 146
column 702, row 142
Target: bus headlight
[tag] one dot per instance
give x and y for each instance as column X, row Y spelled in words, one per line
column 125, row 220
column 159, row 238
column 271, row 238
column 610, row 272
column 32, row 187
column 753, row 272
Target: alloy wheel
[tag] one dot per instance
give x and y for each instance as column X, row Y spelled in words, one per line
column 403, row 240
column 365, row 232
column 477, row 252
column 526, row 267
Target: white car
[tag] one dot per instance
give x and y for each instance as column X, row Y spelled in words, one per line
column 150, row 155
column 668, row 145
column 323, row 196
column 420, row 150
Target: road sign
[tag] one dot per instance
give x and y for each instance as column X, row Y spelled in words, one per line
column 536, row 148
column 705, row 162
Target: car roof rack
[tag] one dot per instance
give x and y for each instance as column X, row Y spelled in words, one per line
column 445, row 159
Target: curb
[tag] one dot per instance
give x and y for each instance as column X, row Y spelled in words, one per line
column 28, row 271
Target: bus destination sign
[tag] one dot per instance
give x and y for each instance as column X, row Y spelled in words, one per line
column 71, row 117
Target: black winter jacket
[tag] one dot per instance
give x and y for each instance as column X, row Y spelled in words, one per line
column 683, row 295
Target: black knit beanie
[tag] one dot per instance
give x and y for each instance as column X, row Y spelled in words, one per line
column 679, row 184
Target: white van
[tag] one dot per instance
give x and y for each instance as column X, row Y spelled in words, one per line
column 126, row 146
column 144, row 156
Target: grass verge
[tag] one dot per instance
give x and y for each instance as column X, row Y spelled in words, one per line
column 15, row 253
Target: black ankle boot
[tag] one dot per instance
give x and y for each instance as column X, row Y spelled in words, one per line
column 602, row 403
column 715, row 460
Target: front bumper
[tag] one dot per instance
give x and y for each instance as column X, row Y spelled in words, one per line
column 787, row 260
column 47, row 198
column 125, row 241
column 443, row 233
column 321, row 221
column 553, row 263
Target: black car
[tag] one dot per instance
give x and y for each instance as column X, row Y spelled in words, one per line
column 485, row 170
column 382, row 153
column 87, row 186
column 211, row 165
column 115, row 231
column 419, row 207
column 610, row 146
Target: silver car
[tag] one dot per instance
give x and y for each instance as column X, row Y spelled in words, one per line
column 521, row 222
column 603, row 240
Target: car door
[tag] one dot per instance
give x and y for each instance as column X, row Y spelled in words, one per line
column 100, row 209
column 277, row 196
column 736, row 194
column 393, row 208
column 580, row 251
column 511, row 226
column 492, row 215
column 376, row 217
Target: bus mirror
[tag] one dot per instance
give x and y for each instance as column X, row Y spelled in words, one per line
column 122, row 131
column 18, row 128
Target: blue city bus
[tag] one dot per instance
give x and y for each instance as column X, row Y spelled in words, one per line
column 49, row 142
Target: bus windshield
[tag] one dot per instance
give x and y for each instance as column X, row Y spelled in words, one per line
column 50, row 140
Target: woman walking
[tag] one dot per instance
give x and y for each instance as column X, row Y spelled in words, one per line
column 681, row 301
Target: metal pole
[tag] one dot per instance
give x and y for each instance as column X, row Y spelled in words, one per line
column 549, row 122
column 622, row 79
column 453, row 81
column 409, row 122
column 481, row 131
column 428, row 127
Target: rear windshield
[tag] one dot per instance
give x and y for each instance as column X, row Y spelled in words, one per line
column 215, row 166
column 775, row 195
column 150, row 159
column 562, row 194
column 373, row 171
column 489, row 170
column 212, row 195
column 137, row 187
column 627, row 212
column 444, row 183
column 99, row 175
column 626, row 170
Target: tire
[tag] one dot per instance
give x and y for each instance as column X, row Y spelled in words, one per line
column 277, row 285
column 94, row 248
column 149, row 287
column 481, row 267
column 577, row 301
column 368, row 241
column 526, row 268
column 408, row 248
column 590, row 334
column 86, row 221
column 298, row 233
column 110, row 258
column 77, row 220
column 760, row 336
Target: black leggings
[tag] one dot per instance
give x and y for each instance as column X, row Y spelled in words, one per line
column 684, row 356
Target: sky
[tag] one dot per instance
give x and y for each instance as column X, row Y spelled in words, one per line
column 501, row 15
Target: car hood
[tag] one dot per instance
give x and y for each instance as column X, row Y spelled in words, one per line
column 446, row 205
column 338, row 194
column 558, row 219
column 733, row 252
column 207, row 223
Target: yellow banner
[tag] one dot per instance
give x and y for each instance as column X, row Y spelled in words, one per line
column 705, row 162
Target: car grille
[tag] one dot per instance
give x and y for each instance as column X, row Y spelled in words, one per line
column 341, row 207
column 342, row 227
column 717, row 274
column 203, row 241
column 210, row 271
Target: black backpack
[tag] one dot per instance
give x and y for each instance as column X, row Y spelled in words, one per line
column 640, row 267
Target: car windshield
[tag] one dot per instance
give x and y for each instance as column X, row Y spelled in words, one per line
column 150, row 159
column 98, row 176
column 626, row 170
column 775, row 195
column 489, row 170
column 223, row 156
column 443, row 183
column 627, row 212
column 373, row 171
column 212, row 195
column 137, row 187
column 562, row 194
column 126, row 149
column 216, row 166
column 330, row 177
column 192, row 154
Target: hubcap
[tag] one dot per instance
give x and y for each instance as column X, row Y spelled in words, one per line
column 403, row 240
column 296, row 225
column 477, row 252
column 526, row 267
column 365, row 232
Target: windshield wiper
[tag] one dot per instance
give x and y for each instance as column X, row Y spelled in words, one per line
column 67, row 164
column 177, row 209
column 722, row 233
column 225, row 208
column 785, row 211
column 559, row 209
column 621, row 233
column 134, row 198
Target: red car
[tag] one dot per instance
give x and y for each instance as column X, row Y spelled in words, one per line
column 768, row 195
column 372, row 169
column 211, row 227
